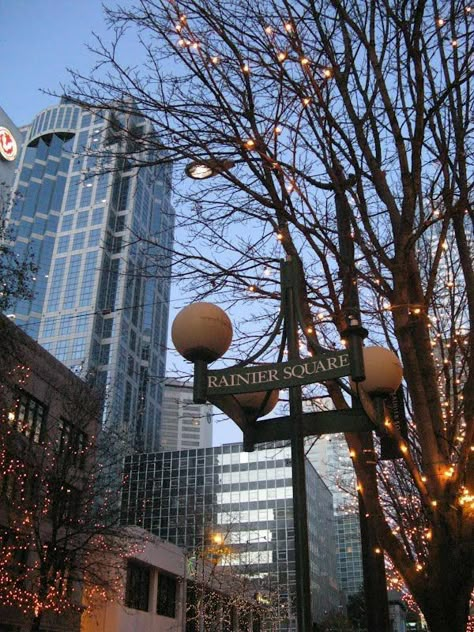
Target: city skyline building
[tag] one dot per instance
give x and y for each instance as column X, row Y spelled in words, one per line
column 184, row 424
column 82, row 218
column 330, row 457
column 237, row 508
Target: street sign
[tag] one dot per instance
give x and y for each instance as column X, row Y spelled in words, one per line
column 267, row 377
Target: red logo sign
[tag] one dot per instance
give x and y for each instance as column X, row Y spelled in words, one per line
column 8, row 148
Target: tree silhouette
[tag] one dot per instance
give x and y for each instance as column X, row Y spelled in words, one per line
column 341, row 133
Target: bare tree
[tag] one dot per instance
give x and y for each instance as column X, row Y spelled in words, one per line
column 342, row 135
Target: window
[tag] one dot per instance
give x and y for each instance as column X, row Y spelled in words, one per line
column 29, row 417
column 166, row 597
column 73, row 441
column 138, row 585
column 63, row 243
column 94, row 238
column 78, row 241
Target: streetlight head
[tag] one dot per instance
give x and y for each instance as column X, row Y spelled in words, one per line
column 198, row 171
column 383, row 371
column 252, row 402
column 201, row 170
column 202, row 331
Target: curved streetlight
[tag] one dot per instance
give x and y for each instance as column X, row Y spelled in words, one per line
column 203, row 169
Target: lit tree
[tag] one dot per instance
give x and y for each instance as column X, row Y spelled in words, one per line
column 59, row 518
column 222, row 578
column 341, row 132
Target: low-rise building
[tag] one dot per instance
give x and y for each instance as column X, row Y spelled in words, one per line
column 237, row 507
column 48, row 421
column 165, row 589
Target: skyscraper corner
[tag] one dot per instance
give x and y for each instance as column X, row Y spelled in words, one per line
column 101, row 232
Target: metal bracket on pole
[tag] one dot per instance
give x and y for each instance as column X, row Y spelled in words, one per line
column 200, row 382
column 355, row 334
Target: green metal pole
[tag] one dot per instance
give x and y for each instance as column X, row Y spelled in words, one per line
column 300, row 515
column 375, row 583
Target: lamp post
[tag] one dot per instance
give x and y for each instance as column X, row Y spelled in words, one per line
column 202, row 333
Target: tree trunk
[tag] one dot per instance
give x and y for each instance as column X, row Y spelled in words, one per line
column 448, row 617
column 36, row 623
column 447, row 609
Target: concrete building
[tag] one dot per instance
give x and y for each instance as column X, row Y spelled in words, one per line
column 164, row 590
column 237, row 508
column 94, row 308
column 48, row 420
column 398, row 611
column 184, row 424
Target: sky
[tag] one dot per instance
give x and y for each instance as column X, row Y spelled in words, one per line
column 39, row 41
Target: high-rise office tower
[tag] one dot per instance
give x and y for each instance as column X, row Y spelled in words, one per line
column 330, row 457
column 237, row 508
column 184, row 424
column 83, row 220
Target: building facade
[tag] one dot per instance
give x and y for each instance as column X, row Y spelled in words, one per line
column 48, row 418
column 237, row 509
column 161, row 592
column 101, row 294
column 184, row 424
column 330, row 457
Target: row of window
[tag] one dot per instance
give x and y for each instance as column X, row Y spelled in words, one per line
column 29, row 418
column 137, row 590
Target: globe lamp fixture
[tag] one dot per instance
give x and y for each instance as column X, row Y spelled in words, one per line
column 202, row 331
column 383, row 371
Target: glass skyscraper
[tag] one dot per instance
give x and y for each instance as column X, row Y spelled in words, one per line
column 237, row 508
column 101, row 294
column 330, row 457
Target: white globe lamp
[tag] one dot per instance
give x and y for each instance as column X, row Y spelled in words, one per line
column 252, row 402
column 383, row 371
column 201, row 331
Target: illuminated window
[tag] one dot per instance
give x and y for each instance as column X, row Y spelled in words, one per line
column 29, row 417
